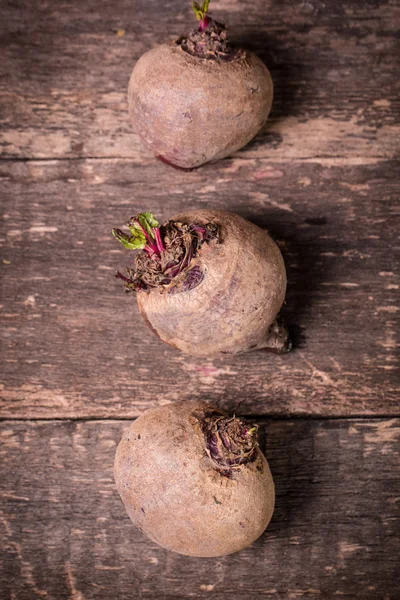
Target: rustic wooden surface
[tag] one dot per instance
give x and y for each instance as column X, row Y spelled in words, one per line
column 335, row 67
column 76, row 346
column 322, row 178
column 333, row 534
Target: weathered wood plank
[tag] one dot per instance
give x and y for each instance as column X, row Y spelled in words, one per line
column 334, row 532
column 75, row 345
column 336, row 68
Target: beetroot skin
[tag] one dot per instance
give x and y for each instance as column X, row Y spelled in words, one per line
column 198, row 99
column 208, row 282
column 194, row 480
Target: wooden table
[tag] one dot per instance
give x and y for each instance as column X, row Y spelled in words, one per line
column 78, row 362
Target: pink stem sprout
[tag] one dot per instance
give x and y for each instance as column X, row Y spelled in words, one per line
column 204, row 23
column 150, row 248
column 159, row 242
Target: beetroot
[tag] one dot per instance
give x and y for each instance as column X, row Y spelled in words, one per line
column 194, row 480
column 198, row 98
column 208, row 282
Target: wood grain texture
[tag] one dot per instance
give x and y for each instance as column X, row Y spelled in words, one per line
column 76, row 345
column 333, row 534
column 336, row 68
column 322, row 178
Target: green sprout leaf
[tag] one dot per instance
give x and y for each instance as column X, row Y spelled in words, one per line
column 136, row 241
column 197, row 11
column 134, row 226
column 148, row 222
column 143, row 221
column 201, row 11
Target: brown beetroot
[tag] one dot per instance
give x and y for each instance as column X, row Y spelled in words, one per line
column 198, row 99
column 215, row 288
column 194, row 480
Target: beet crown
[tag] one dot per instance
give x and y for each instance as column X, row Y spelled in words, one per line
column 169, row 252
column 230, row 442
column 209, row 39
